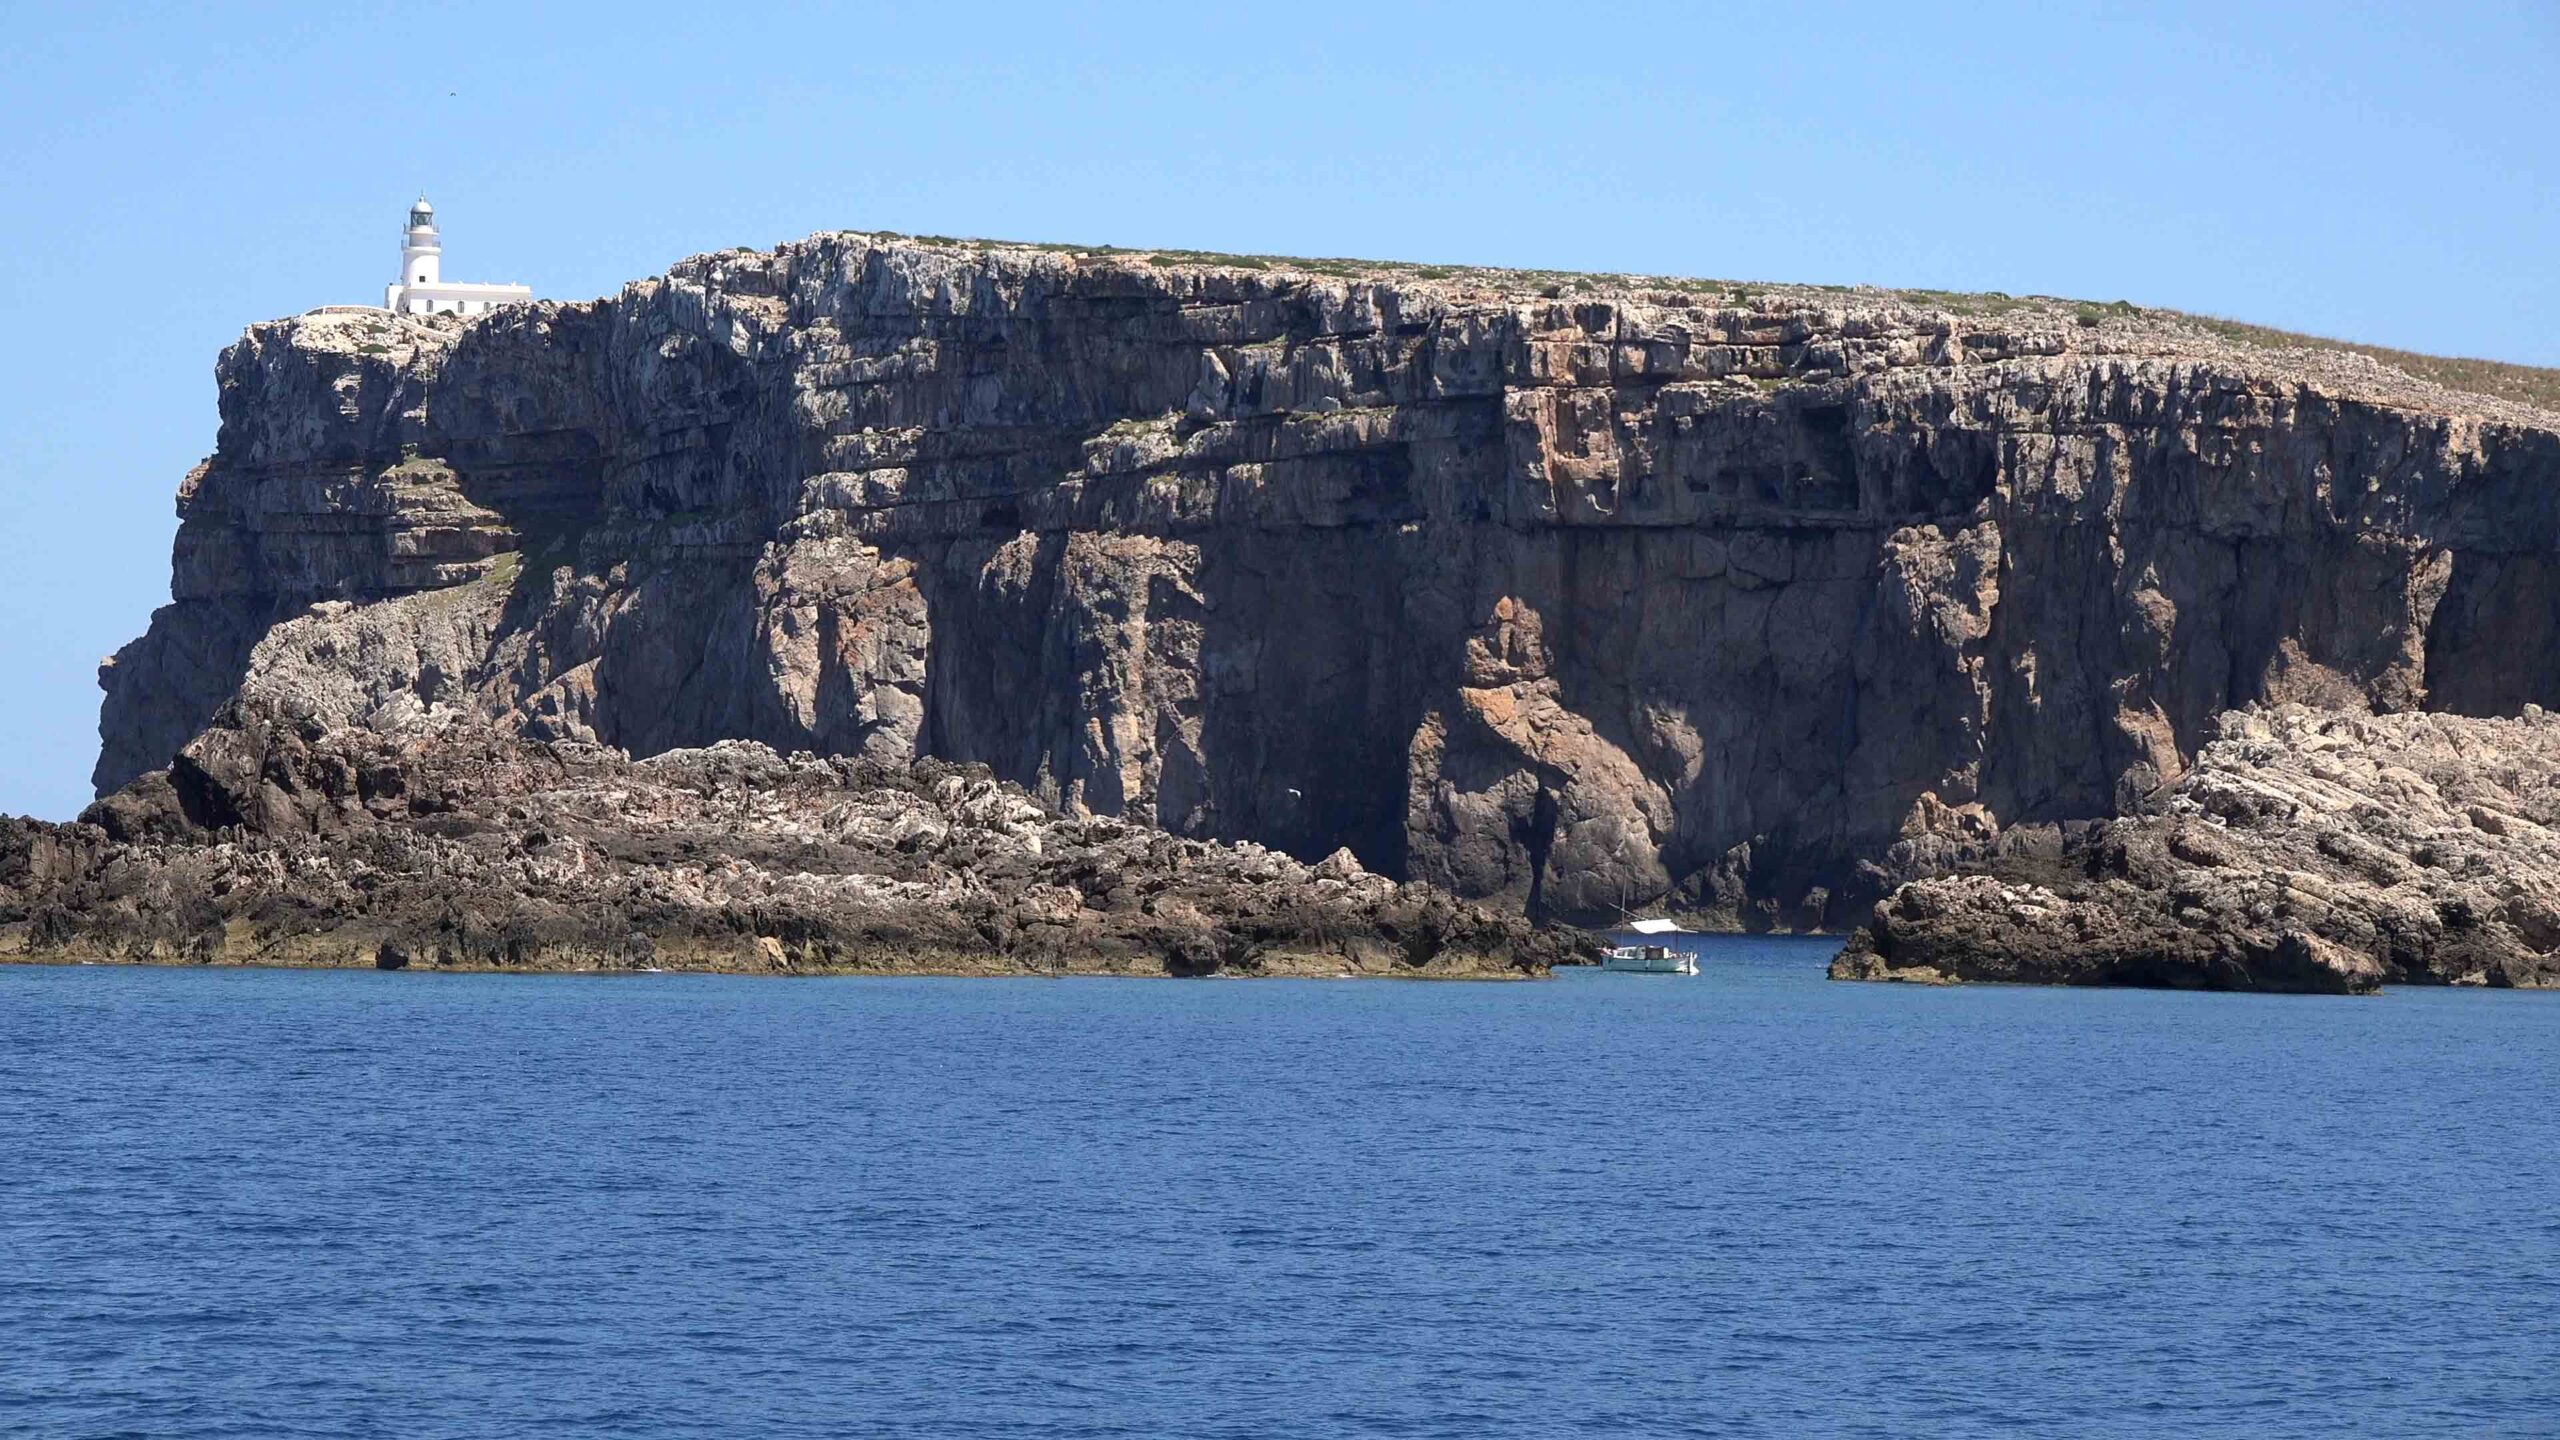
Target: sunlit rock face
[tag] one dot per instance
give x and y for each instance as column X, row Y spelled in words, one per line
column 2305, row 850
column 1589, row 596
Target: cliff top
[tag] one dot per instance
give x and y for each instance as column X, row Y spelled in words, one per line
column 2453, row 384
column 1990, row 325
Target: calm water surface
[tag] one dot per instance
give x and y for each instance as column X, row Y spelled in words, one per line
column 270, row 1203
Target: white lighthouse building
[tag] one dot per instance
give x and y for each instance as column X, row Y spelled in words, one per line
column 422, row 288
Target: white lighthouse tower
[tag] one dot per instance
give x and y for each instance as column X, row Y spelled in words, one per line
column 422, row 289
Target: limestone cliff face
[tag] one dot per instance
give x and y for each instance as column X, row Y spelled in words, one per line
column 1620, row 595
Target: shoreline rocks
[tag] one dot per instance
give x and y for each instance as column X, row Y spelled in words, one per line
column 2306, row 851
column 272, row 844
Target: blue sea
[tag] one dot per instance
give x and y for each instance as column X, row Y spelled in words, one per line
column 269, row 1203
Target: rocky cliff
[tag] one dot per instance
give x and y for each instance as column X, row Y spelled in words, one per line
column 2305, row 850
column 1579, row 593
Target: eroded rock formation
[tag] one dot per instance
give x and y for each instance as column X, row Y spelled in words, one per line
column 1579, row 595
column 2306, row 850
column 280, row 844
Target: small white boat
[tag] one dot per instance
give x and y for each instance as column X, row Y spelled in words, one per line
column 1642, row 959
column 1649, row 960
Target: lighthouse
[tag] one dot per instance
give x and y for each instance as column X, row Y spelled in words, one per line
column 421, row 288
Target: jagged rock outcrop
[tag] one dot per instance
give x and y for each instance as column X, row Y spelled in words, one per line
column 2306, row 850
column 1577, row 594
column 275, row 844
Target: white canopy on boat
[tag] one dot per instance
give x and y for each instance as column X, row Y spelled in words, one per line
column 1656, row 927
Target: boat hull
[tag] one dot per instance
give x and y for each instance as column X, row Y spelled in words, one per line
column 1659, row 961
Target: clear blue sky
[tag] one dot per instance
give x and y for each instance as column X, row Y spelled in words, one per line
column 168, row 175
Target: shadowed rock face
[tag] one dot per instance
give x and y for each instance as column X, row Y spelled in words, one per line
column 2306, row 850
column 1632, row 596
column 276, row 844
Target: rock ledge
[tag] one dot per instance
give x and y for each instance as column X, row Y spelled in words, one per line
column 2306, row 851
column 269, row 844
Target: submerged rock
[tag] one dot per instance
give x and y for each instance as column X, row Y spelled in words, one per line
column 268, row 843
column 2307, row 850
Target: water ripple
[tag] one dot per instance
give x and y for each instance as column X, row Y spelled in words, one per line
column 1752, row 1203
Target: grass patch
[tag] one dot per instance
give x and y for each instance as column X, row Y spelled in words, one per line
column 1962, row 302
column 1209, row 257
column 2524, row 384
